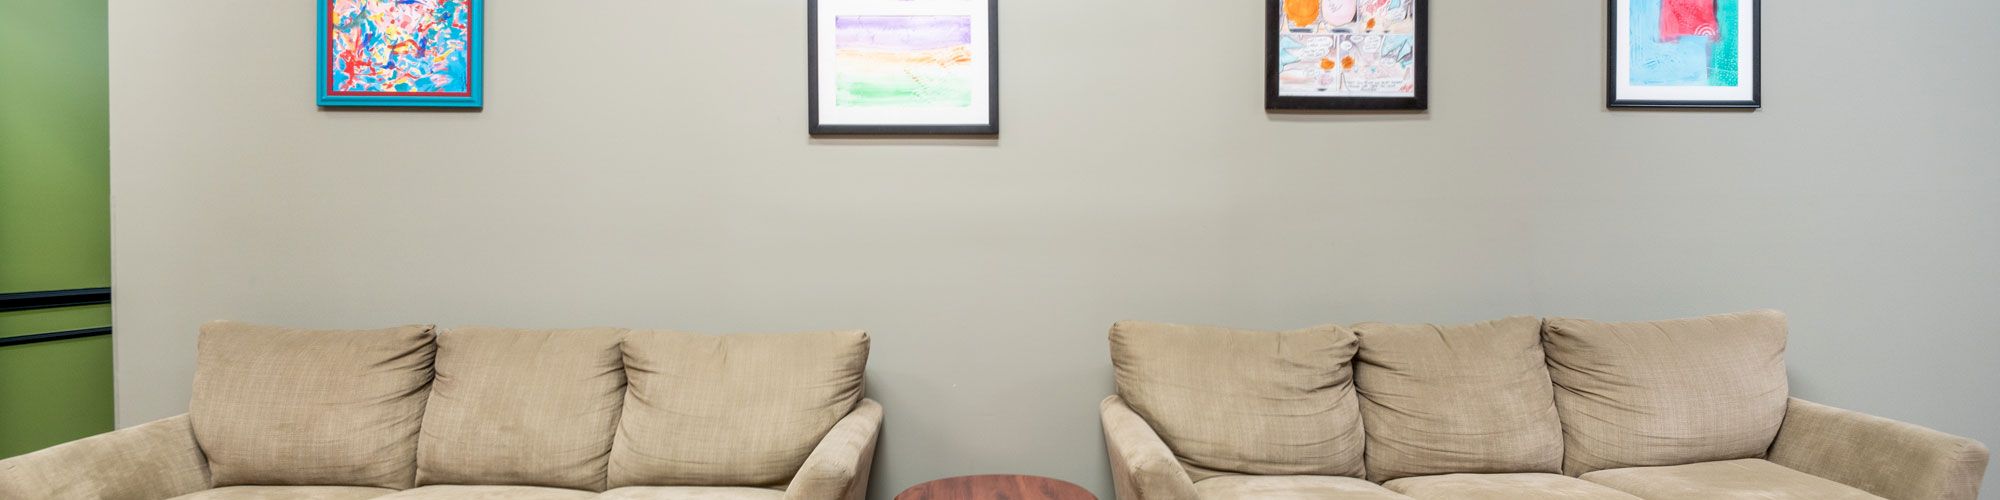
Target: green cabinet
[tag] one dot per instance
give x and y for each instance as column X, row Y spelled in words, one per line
column 54, row 218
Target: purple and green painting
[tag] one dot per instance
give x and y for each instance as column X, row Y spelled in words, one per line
column 399, row 48
column 1685, row 43
column 903, row 61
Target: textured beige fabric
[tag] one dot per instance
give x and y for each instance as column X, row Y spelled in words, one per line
column 690, row 493
column 1744, row 479
column 1291, row 488
column 1448, row 399
column 1667, row 392
column 735, row 410
column 1532, row 486
column 838, row 467
column 1239, row 401
column 147, row 462
column 288, row 493
column 522, row 407
column 453, row 492
column 1142, row 468
column 1884, row 457
column 285, row 406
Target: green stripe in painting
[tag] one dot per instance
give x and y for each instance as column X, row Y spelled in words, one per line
column 901, row 91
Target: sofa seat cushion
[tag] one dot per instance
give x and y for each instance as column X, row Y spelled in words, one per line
column 691, row 493
column 1745, row 479
column 1244, row 402
column 1292, row 488
column 285, row 406
column 288, row 493
column 1455, row 399
column 1667, row 392
column 522, row 407
column 1529, row 486
column 456, row 492
column 731, row 410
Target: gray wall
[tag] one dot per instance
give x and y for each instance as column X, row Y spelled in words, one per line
column 644, row 163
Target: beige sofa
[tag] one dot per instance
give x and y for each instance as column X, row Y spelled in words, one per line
column 485, row 413
column 1520, row 408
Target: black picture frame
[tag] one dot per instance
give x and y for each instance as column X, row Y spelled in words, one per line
column 1613, row 56
column 1274, row 102
column 991, row 128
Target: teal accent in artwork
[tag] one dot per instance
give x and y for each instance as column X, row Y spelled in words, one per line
column 1723, row 62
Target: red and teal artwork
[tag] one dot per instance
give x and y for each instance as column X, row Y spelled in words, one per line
column 399, row 53
column 1685, row 42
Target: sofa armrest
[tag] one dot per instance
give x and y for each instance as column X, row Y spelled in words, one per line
column 149, row 462
column 837, row 469
column 1885, row 457
column 1142, row 467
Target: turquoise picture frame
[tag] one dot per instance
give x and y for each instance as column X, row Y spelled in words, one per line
column 473, row 75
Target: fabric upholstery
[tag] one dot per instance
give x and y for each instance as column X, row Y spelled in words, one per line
column 690, row 493
column 286, row 406
column 288, row 493
column 1745, row 479
column 1142, row 467
column 735, row 410
column 838, row 467
column 146, row 462
column 1667, row 392
column 1882, row 456
column 1292, row 488
column 1448, row 399
column 457, row 492
column 1240, row 401
column 1532, row 486
column 522, row 407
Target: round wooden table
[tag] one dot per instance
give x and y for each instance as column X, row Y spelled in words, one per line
column 996, row 487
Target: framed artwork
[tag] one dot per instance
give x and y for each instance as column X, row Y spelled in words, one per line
column 1685, row 54
column 903, row 67
column 400, row 53
column 1346, row 54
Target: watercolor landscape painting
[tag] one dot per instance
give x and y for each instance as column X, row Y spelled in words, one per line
column 399, row 52
column 903, row 67
column 1347, row 49
column 903, row 61
column 1684, row 52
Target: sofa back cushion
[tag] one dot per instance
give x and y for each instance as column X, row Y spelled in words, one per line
column 284, row 406
column 736, row 410
column 1667, row 392
column 1457, row 399
column 522, row 407
column 1246, row 402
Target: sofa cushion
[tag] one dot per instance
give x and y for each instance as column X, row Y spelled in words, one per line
column 691, row 493
column 1292, row 488
column 1247, row 402
column 1744, row 479
column 736, row 410
column 1667, row 392
column 1530, row 486
column 522, row 407
column 288, row 493
column 459, row 492
column 1448, row 399
column 285, row 406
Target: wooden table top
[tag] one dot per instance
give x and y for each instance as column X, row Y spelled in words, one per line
column 996, row 487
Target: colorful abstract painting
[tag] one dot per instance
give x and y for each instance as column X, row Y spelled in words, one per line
column 1347, row 48
column 903, row 66
column 904, row 61
column 1686, row 51
column 399, row 52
